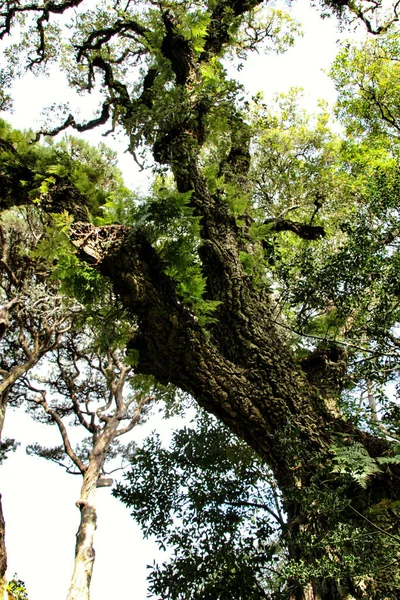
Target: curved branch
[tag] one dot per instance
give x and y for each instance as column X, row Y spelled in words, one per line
column 14, row 7
column 41, row 400
column 70, row 122
column 306, row 232
column 98, row 38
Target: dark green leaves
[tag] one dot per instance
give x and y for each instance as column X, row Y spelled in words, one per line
column 211, row 502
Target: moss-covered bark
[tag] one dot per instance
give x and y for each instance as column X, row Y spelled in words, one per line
column 241, row 368
column 245, row 374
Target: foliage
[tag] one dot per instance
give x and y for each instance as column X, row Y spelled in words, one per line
column 36, row 169
column 213, row 504
column 366, row 77
column 16, row 589
column 7, row 445
column 170, row 224
column 273, row 231
column 354, row 461
column 35, row 313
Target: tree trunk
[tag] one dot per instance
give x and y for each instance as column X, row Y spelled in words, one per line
column 243, row 371
column 3, row 408
column 3, row 555
column 84, row 549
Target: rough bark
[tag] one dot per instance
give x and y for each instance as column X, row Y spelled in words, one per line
column 241, row 369
column 244, row 373
column 3, row 555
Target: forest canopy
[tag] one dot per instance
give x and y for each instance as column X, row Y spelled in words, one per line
column 258, row 274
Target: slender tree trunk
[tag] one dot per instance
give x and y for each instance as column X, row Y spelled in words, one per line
column 3, row 555
column 3, row 407
column 84, row 549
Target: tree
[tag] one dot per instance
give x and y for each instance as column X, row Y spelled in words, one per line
column 35, row 313
column 98, row 391
column 34, row 317
column 366, row 78
column 188, row 268
column 213, row 504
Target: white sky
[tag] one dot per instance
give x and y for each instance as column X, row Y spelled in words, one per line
column 38, row 497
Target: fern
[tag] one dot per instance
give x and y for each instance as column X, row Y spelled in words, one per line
column 168, row 220
column 198, row 24
column 355, row 462
column 389, row 460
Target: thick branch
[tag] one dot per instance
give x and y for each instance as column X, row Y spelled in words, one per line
column 99, row 37
column 218, row 33
column 306, row 232
column 177, row 50
column 174, row 348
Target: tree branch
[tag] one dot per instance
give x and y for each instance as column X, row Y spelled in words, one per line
column 304, row 231
column 70, row 122
column 136, row 416
column 41, row 400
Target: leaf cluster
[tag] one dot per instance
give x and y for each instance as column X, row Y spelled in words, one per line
column 209, row 501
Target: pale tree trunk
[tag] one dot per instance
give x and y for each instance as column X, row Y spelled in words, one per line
column 3, row 407
column 84, row 549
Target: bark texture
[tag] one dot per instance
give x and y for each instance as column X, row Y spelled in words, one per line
column 241, row 368
column 3, row 555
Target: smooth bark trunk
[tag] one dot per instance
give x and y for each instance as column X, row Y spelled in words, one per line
column 84, row 549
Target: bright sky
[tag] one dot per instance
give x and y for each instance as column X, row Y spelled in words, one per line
column 38, row 497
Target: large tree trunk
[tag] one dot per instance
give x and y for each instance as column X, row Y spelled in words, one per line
column 247, row 376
